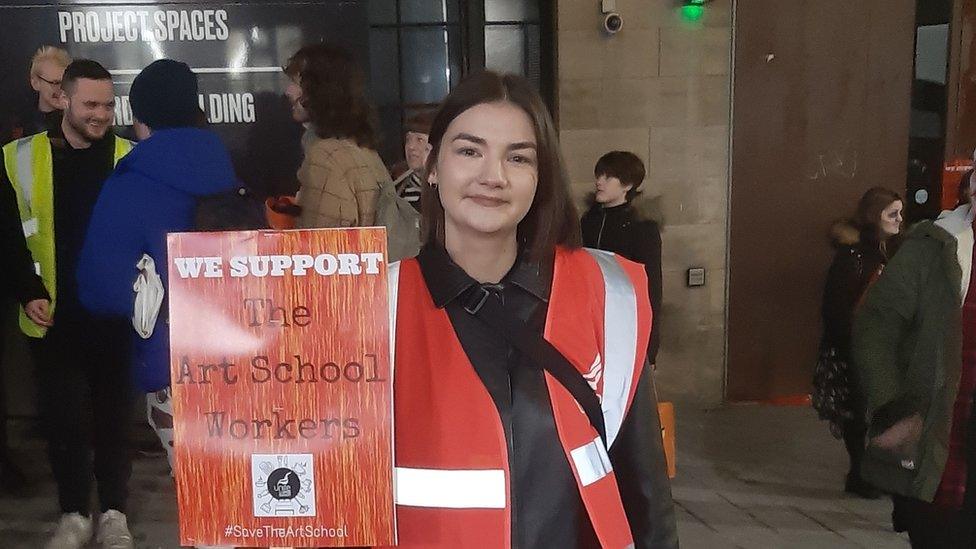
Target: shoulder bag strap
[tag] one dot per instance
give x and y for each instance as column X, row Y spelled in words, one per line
column 486, row 307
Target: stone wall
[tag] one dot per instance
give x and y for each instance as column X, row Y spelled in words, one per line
column 660, row 88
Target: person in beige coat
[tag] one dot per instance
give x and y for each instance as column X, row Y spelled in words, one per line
column 341, row 173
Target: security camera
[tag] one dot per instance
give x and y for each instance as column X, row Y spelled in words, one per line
column 612, row 23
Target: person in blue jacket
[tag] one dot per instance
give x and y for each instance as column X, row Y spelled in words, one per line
column 153, row 191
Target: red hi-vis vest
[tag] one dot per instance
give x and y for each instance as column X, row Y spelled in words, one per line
column 453, row 484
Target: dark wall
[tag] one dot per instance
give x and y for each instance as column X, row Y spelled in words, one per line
column 820, row 113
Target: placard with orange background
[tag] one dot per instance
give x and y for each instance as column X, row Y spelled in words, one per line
column 282, row 388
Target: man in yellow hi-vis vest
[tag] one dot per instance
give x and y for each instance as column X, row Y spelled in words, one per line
column 50, row 183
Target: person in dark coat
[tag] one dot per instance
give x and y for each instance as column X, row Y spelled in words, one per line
column 863, row 246
column 613, row 223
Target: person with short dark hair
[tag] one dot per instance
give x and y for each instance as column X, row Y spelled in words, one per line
column 341, row 173
column 615, row 224
column 82, row 361
column 408, row 174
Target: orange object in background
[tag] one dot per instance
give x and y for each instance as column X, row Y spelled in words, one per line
column 281, row 212
column 282, row 388
column 665, row 411
column 951, row 179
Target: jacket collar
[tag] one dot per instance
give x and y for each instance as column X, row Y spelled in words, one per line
column 599, row 209
column 618, row 208
column 447, row 281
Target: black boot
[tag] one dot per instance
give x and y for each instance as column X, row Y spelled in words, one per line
column 855, row 433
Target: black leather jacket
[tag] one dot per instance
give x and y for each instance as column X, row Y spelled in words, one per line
column 547, row 510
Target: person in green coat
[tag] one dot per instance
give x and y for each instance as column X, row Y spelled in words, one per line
column 914, row 351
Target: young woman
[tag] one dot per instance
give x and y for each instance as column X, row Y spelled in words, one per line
column 495, row 447
column 341, row 173
column 863, row 245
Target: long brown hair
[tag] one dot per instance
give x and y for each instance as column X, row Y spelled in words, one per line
column 867, row 218
column 551, row 220
column 334, row 93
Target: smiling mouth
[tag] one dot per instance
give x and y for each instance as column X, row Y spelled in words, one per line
column 487, row 201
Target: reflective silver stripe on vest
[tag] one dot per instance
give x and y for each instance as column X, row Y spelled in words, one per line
column 592, row 462
column 393, row 281
column 620, row 341
column 450, row 488
column 25, row 169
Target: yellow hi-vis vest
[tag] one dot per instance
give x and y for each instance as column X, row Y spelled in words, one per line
column 30, row 169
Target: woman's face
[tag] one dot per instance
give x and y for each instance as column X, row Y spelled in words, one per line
column 486, row 171
column 891, row 219
column 294, row 94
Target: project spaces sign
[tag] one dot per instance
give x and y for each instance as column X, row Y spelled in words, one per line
column 237, row 51
column 158, row 27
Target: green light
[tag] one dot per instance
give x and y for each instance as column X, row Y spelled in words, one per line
column 692, row 12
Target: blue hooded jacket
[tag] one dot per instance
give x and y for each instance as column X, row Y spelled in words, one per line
column 153, row 191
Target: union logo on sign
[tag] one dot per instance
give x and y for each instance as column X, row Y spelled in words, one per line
column 283, row 485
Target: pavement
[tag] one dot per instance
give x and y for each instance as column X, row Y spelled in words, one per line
column 764, row 477
column 749, row 477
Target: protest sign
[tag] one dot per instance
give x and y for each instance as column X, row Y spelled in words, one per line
column 282, row 387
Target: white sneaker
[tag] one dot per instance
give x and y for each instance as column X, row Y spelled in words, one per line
column 113, row 531
column 74, row 532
